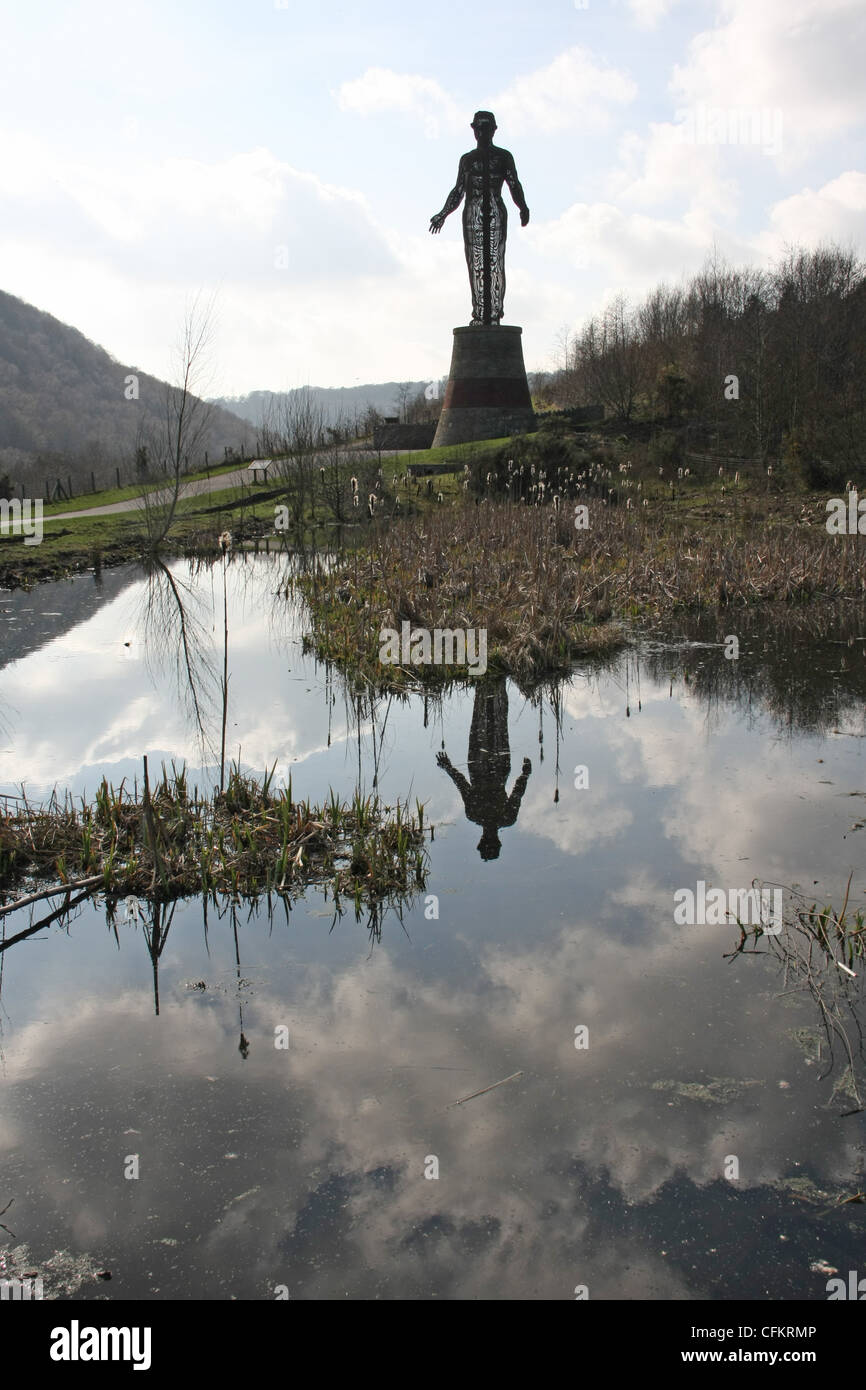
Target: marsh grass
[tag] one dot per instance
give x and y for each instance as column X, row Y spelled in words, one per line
column 548, row 593
column 821, row 951
column 828, row 934
column 251, row 839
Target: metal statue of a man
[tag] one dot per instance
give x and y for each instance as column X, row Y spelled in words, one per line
column 480, row 177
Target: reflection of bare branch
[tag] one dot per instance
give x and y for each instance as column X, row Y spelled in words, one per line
column 61, row 911
column 170, row 625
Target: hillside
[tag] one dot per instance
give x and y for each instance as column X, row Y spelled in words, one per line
column 63, row 411
column 338, row 404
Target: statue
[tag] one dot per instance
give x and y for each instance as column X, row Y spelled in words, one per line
column 480, row 176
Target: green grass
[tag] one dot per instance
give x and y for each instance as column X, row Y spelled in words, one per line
column 88, row 542
column 108, row 496
column 459, row 453
column 252, row 839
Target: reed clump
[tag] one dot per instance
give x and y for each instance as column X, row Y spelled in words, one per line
column 548, row 591
column 253, row 838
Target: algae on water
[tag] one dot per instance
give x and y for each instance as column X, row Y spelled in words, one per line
column 718, row 1090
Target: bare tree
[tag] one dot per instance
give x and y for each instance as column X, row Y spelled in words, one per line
column 403, row 396
column 176, row 441
column 610, row 356
column 299, row 434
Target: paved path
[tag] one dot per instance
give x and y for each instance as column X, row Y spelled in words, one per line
column 198, row 488
column 201, row 487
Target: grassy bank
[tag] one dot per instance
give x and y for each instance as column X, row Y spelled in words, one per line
column 91, row 543
column 249, row 840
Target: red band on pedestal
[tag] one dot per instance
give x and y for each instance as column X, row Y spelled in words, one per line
column 509, row 392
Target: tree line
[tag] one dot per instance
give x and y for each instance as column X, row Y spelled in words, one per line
column 760, row 364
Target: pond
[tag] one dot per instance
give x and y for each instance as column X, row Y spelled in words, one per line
column 262, row 1104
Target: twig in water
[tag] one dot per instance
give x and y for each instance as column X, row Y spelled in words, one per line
column 463, row 1099
column 3, row 1213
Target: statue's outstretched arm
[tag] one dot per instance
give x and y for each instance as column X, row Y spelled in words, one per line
column 452, row 202
column 457, row 778
column 516, row 190
column 517, row 791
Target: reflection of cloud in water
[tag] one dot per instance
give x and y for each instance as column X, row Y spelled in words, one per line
column 735, row 805
column 577, row 1171
column 327, row 1191
column 578, row 827
column 62, row 730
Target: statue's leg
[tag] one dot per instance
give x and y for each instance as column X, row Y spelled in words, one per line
column 473, row 244
column 498, row 233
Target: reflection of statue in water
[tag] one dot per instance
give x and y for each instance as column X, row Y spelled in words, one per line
column 480, row 176
column 484, row 796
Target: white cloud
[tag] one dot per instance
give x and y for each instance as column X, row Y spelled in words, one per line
column 660, row 165
column 578, row 828
column 836, row 212
column 804, row 57
column 573, row 92
column 282, row 243
column 634, row 249
column 185, row 219
column 380, row 89
column 647, row 13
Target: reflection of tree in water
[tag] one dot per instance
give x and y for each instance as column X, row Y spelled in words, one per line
column 175, row 618
column 178, row 618
column 805, row 669
column 485, row 798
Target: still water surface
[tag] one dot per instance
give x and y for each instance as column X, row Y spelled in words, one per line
column 603, row 1166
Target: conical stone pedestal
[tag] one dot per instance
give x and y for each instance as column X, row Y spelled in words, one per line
column 487, row 395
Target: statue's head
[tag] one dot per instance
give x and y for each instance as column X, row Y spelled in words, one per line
column 484, row 124
column 490, row 844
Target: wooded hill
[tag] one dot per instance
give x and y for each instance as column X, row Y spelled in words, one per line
column 64, row 412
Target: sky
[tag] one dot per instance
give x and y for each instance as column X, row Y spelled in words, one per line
column 282, row 161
